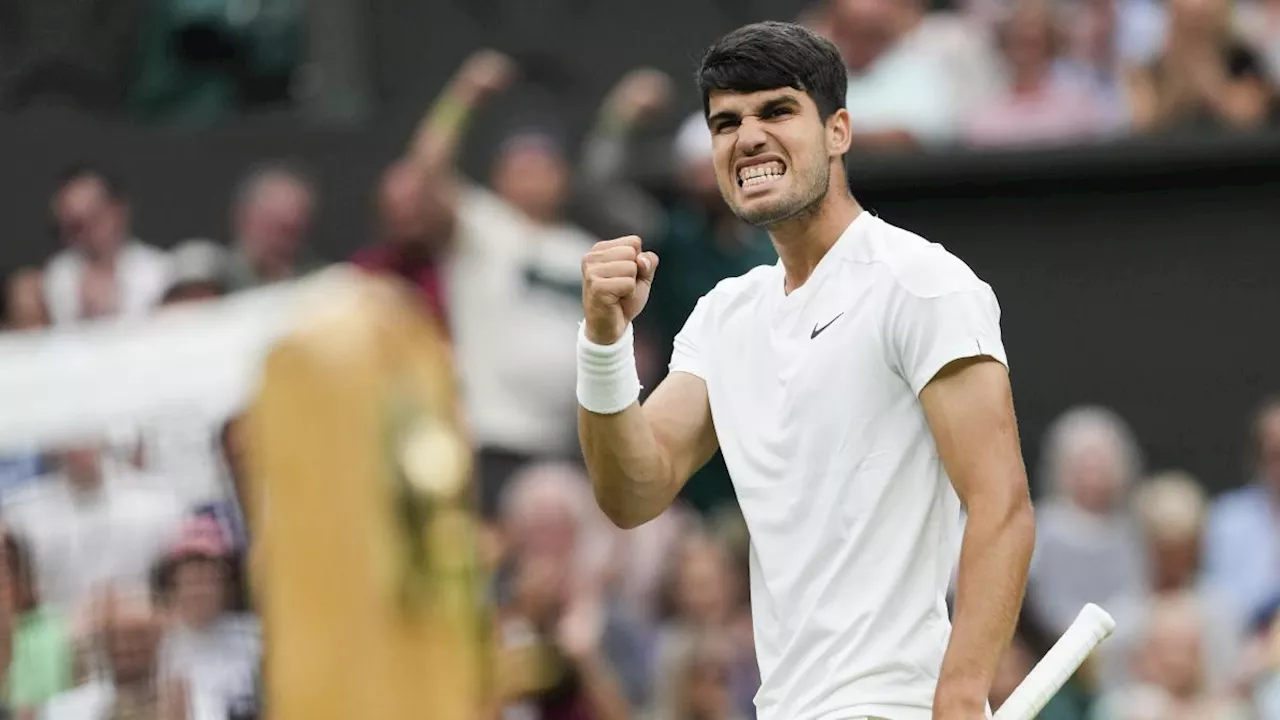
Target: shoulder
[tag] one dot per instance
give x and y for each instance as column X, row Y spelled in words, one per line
column 918, row 267
column 733, row 291
column 1232, row 504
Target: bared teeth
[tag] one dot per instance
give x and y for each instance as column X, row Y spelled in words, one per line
column 763, row 172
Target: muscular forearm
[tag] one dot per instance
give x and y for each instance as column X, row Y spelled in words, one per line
column 439, row 133
column 994, row 558
column 631, row 475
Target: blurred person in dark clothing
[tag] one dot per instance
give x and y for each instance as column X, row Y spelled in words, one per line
column 1088, row 548
column 547, row 512
column 548, row 608
column 1038, row 105
column 704, row 593
column 24, row 311
column 1204, row 78
column 102, row 270
column 697, row 681
column 271, row 216
column 1242, row 535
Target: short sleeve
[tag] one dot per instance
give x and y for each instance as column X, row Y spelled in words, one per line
column 927, row 333
column 689, row 348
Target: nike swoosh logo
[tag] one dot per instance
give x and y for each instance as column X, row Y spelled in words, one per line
column 818, row 330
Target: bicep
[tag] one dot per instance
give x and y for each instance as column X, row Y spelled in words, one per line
column 969, row 409
column 679, row 412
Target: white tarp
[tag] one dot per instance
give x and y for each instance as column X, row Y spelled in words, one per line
column 93, row 380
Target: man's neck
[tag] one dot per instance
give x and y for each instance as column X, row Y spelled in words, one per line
column 803, row 241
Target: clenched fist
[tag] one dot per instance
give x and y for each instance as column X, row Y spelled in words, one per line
column 616, row 277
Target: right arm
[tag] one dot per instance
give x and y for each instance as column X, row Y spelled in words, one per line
column 638, row 457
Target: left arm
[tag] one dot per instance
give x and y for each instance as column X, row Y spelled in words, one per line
column 969, row 408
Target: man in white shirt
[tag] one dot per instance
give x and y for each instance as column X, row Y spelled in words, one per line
column 103, row 270
column 859, row 395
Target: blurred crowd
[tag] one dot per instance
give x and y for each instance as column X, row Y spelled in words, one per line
column 923, row 73
column 124, row 554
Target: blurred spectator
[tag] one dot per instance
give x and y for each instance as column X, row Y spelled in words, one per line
column 1242, row 537
column 513, row 269
column 899, row 96
column 961, row 43
column 43, row 658
column 1258, row 23
column 697, row 680
column 102, row 270
column 703, row 593
column 1169, row 668
column 180, row 446
column 1087, row 548
column 214, row 651
column 1170, row 508
column 93, row 524
column 24, row 310
column 130, row 632
column 1039, row 105
column 548, row 513
column 271, row 216
column 1204, row 78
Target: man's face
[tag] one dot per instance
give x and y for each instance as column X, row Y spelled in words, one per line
column 88, row 217
column 773, row 152
column 534, row 177
column 199, row 591
column 410, row 206
column 863, row 30
column 274, row 222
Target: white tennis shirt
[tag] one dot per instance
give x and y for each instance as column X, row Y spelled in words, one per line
column 855, row 527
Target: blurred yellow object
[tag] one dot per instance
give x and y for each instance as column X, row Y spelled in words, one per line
column 365, row 552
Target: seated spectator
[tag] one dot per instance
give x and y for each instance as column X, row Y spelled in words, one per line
column 1092, row 56
column 271, row 216
column 131, row 687
column 897, row 98
column 44, row 661
column 103, row 270
column 961, row 43
column 1170, row 508
column 1169, row 670
column 214, row 651
column 1087, row 548
column 1204, row 78
column 696, row 680
column 1038, row 106
column 95, row 523
column 1242, row 536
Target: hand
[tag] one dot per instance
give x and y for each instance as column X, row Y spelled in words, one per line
column 641, row 94
column 484, row 73
column 616, row 278
column 580, row 629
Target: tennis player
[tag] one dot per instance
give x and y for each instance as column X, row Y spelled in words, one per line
column 859, row 394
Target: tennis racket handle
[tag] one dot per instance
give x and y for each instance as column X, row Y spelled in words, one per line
column 1090, row 628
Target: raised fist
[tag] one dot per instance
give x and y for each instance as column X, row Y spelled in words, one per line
column 616, row 278
column 641, row 94
column 485, row 73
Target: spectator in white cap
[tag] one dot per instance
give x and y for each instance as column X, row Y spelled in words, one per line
column 199, row 269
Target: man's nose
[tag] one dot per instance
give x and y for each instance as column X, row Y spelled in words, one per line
column 751, row 136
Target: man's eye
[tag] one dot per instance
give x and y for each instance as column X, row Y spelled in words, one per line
column 726, row 125
column 777, row 113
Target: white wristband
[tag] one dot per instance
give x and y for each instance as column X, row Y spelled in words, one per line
column 608, row 382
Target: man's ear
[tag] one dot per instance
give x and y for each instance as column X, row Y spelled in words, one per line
column 839, row 132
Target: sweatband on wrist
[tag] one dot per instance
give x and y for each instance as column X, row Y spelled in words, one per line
column 608, row 381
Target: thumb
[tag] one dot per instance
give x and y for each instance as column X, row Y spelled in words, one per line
column 648, row 262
